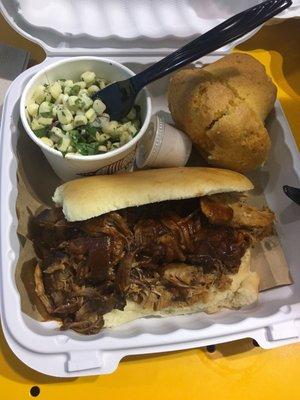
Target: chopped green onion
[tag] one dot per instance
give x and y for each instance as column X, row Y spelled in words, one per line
column 64, row 116
column 41, row 132
column 87, row 149
column 74, row 90
column 74, row 135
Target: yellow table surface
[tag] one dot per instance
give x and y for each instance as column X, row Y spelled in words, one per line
column 235, row 370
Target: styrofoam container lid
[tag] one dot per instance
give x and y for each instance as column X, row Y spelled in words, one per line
column 120, row 26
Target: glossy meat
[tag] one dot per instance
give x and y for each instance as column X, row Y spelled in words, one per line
column 228, row 211
column 155, row 255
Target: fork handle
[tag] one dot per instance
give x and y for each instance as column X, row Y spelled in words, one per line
column 226, row 32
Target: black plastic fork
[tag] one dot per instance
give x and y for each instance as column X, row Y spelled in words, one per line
column 119, row 97
column 293, row 193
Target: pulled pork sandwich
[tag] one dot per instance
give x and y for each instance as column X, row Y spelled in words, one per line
column 156, row 242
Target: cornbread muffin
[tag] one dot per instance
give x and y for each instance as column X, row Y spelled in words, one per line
column 241, row 142
column 222, row 108
column 248, row 80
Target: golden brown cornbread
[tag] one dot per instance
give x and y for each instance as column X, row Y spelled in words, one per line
column 195, row 102
column 248, row 79
column 222, row 107
column 86, row 198
column 253, row 143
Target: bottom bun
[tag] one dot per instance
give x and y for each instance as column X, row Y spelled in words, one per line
column 242, row 292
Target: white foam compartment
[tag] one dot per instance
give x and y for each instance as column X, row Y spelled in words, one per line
column 148, row 334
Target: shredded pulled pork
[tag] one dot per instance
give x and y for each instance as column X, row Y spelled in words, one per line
column 157, row 255
column 229, row 211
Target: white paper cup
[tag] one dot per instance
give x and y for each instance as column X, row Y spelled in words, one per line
column 75, row 166
column 163, row 145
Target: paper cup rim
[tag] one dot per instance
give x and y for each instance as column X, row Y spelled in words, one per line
column 157, row 140
column 160, row 127
column 57, row 153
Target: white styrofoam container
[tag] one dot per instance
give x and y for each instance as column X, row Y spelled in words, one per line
column 273, row 321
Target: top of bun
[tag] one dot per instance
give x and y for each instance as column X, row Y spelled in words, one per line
column 90, row 197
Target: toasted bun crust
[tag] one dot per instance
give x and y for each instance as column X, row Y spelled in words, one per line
column 86, row 198
column 243, row 291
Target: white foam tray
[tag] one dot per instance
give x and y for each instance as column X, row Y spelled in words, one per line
column 274, row 321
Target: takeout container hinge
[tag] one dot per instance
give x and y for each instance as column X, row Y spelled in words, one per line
column 83, row 360
column 284, row 330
